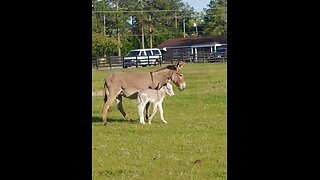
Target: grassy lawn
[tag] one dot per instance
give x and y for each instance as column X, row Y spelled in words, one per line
column 191, row 146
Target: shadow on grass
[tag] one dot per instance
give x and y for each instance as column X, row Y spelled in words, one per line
column 110, row 120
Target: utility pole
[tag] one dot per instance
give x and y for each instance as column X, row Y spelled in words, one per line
column 142, row 32
column 150, row 31
column 104, row 24
column 118, row 33
column 184, row 27
column 196, row 29
column 176, row 19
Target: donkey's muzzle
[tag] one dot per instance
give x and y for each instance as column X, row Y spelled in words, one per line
column 182, row 86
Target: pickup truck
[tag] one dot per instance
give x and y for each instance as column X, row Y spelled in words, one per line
column 219, row 55
column 142, row 57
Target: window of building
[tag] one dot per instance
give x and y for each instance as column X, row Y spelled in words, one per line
column 176, row 52
column 188, row 51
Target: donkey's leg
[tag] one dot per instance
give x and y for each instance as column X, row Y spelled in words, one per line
column 147, row 110
column 120, row 108
column 107, row 104
column 106, row 93
column 153, row 112
column 161, row 113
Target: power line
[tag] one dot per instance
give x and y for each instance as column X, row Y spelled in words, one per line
column 137, row 11
column 146, row 35
column 158, row 34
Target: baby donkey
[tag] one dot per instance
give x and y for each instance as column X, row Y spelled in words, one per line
column 156, row 97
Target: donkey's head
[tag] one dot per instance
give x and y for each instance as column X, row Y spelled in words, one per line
column 177, row 76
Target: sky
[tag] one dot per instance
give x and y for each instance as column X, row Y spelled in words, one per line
column 198, row 5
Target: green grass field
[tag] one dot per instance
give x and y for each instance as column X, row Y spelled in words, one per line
column 193, row 145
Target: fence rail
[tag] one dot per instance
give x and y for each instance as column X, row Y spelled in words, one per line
column 110, row 62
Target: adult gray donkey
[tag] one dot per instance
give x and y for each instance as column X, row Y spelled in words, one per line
column 128, row 84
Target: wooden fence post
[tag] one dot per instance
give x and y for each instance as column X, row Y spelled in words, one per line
column 136, row 61
column 122, row 57
column 97, row 63
column 110, row 63
column 194, row 58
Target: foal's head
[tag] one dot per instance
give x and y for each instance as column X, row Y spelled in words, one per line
column 169, row 89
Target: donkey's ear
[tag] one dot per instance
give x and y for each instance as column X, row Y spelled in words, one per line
column 179, row 64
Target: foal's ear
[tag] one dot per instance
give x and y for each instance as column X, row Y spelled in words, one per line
column 179, row 64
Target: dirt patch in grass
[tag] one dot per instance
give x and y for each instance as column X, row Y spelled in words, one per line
column 98, row 93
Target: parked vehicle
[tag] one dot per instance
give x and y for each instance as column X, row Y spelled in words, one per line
column 218, row 55
column 143, row 57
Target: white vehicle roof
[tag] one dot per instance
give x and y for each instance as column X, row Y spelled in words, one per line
column 145, row 49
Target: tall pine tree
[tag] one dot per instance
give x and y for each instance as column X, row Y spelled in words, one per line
column 216, row 18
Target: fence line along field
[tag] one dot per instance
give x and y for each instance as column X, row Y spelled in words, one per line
column 192, row 145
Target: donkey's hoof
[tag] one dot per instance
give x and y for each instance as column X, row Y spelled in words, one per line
column 165, row 122
column 126, row 117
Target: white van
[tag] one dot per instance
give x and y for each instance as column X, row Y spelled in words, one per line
column 144, row 56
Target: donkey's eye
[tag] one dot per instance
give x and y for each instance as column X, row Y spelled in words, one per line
column 180, row 75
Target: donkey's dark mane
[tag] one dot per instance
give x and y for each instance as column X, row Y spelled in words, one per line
column 170, row 67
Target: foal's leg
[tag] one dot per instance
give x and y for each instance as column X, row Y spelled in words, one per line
column 107, row 104
column 120, row 108
column 161, row 113
column 153, row 112
column 147, row 110
column 140, row 110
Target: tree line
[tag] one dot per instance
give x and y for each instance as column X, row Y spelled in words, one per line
column 121, row 25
